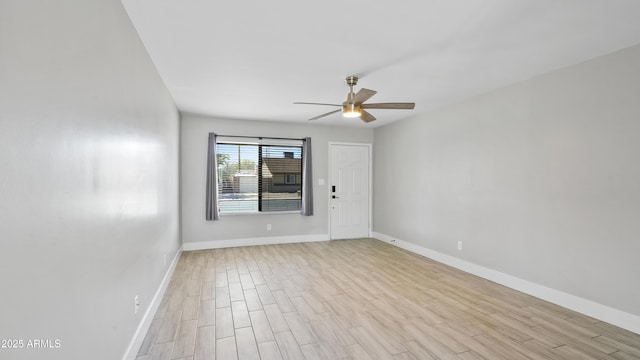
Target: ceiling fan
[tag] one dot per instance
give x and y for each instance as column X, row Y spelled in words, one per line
column 354, row 106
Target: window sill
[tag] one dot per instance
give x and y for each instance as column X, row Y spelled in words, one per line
column 244, row 213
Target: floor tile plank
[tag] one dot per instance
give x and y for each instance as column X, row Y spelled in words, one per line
column 261, row 327
column 247, row 346
column 205, row 347
column 269, row 350
column 226, row 349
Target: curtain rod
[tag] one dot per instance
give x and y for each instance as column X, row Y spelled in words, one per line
column 259, row 137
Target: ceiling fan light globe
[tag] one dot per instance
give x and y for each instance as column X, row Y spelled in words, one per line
column 351, row 110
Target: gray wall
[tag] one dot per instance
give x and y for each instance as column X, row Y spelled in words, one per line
column 195, row 130
column 540, row 180
column 88, row 181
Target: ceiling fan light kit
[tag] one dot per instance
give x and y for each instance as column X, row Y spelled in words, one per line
column 351, row 110
column 354, row 106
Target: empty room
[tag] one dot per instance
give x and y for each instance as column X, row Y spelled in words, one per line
column 193, row 180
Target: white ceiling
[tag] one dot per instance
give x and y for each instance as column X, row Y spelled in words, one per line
column 252, row 59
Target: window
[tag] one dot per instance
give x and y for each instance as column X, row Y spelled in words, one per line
column 290, row 179
column 258, row 174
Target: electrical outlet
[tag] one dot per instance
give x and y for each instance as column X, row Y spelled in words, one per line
column 136, row 304
column 269, row 227
column 165, row 259
column 459, row 245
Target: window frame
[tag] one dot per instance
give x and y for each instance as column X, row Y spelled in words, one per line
column 287, row 146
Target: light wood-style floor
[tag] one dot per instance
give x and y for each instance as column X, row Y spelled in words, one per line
column 360, row 299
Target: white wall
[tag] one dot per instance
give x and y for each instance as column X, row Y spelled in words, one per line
column 540, row 180
column 88, row 178
column 197, row 232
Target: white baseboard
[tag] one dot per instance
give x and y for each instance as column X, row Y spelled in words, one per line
column 598, row 311
column 145, row 324
column 219, row 244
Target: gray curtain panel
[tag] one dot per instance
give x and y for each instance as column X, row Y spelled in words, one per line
column 306, row 208
column 213, row 213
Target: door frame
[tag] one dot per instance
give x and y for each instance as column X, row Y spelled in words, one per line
column 369, row 147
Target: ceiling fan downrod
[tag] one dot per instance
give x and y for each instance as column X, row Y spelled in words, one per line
column 351, row 81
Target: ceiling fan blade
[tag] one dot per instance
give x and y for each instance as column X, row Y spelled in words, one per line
column 389, row 106
column 312, row 103
column 325, row 114
column 366, row 117
column 363, row 95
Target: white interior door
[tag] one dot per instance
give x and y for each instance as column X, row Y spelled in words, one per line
column 349, row 191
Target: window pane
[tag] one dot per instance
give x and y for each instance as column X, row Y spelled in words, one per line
column 281, row 178
column 237, row 177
